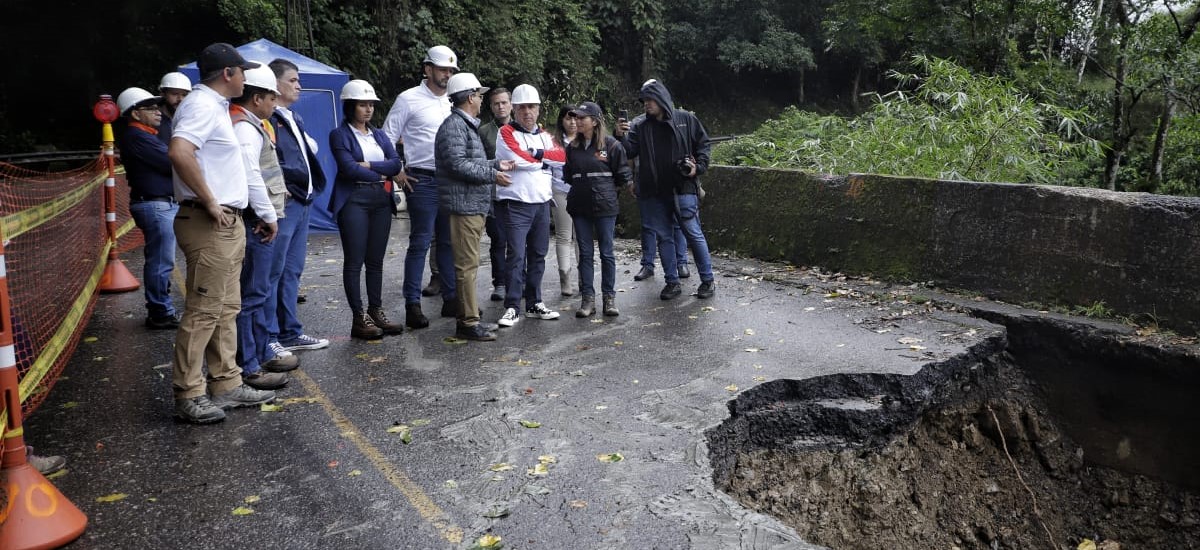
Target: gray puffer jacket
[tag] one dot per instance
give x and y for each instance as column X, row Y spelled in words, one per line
column 465, row 177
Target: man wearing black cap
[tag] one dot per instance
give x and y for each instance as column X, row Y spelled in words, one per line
column 212, row 188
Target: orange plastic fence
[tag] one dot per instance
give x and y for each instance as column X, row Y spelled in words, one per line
column 53, row 226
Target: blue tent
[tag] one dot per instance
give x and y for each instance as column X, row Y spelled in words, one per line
column 318, row 105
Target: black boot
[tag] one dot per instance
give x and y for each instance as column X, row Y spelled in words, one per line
column 364, row 328
column 413, row 316
column 610, row 306
column 380, row 318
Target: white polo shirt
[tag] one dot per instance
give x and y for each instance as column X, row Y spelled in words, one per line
column 203, row 120
column 416, row 116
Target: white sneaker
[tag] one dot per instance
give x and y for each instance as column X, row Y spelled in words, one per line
column 509, row 318
column 277, row 350
column 542, row 312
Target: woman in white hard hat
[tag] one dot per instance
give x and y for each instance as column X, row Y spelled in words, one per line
column 362, row 204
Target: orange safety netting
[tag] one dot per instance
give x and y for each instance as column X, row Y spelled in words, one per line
column 55, row 249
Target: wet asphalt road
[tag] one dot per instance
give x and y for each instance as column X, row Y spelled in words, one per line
column 325, row 472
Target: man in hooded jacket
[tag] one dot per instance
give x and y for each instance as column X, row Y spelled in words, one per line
column 674, row 152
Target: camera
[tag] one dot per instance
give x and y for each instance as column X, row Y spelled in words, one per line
column 685, row 165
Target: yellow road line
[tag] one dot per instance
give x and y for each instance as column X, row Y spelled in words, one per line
column 424, row 505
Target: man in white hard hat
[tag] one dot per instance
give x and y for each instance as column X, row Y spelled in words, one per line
column 173, row 88
column 151, row 201
column 466, row 180
column 211, row 185
column 523, row 208
column 302, row 173
column 267, row 192
column 415, row 118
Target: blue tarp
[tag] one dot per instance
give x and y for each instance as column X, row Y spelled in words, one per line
column 318, row 104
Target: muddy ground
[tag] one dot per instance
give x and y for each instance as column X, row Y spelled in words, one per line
column 976, row 451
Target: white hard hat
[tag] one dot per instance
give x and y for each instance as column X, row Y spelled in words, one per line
column 133, row 97
column 525, row 94
column 358, row 90
column 262, row 77
column 178, row 81
column 442, row 56
column 462, row 82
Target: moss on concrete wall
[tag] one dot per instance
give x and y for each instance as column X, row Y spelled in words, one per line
column 1138, row 253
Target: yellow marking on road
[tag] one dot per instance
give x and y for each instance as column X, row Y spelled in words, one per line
column 424, row 505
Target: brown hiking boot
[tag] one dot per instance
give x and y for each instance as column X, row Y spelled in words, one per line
column 380, row 318
column 364, row 328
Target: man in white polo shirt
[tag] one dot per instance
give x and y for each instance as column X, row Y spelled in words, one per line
column 212, row 188
column 415, row 117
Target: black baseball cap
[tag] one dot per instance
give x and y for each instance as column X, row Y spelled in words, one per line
column 219, row 56
column 587, row 108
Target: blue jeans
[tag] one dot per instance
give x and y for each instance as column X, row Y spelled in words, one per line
column 650, row 242
column 156, row 219
column 287, row 262
column 660, row 213
column 527, row 227
column 252, row 328
column 364, row 224
column 600, row 229
column 426, row 222
column 497, row 250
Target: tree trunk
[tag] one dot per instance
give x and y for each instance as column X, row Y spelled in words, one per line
column 854, row 88
column 1160, row 134
column 1091, row 39
column 1112, row 159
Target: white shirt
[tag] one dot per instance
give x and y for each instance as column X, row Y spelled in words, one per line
column 302, row 139
column 252, row 142
column 416, row 116
column 531, row 181
column 203, row 120
column 372, row 152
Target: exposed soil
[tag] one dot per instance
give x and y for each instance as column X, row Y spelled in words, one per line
column 966, row 454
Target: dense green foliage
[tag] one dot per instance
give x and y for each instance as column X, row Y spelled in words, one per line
column 1125, row 71
column 952, row 125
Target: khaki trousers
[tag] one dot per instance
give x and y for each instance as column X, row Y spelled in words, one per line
column 208, row 328
column 465, row 234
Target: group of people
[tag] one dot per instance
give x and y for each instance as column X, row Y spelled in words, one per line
column 226, row 170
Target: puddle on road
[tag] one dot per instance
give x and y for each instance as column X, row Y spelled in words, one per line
column 1040, row 439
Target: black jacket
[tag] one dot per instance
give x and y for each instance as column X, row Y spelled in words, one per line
column 690, row 139
column 595, row 174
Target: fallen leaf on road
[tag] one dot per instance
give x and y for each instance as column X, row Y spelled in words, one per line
column 496, row 512
column 501, row 467
column 731, row 388
column 242, row 511
column 112, row 498
column 489, row 542
column 531, row 424
column 269, row 408
column 577, row 504
column 610, row 457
